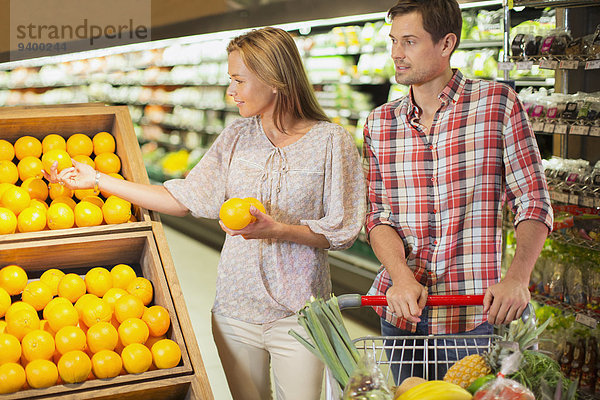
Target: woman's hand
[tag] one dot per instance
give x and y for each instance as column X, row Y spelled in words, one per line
column 79, row 176
column 264, row 227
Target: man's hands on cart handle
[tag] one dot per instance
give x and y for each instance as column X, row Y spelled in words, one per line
column 407, row 298
column 505, row 301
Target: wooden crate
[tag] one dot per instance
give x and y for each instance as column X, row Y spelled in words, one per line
column 66, row 121
column 78, row 255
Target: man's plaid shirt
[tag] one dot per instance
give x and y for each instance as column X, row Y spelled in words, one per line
column 444, row 191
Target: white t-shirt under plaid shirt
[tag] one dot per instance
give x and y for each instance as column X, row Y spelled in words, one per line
column 444, row 191
column 316, row 181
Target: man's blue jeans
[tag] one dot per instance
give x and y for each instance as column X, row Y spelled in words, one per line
column 407, row 357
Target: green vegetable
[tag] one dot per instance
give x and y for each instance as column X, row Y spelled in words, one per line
column 329, row 339
column 479, row 382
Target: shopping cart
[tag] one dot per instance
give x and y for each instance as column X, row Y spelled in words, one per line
column 425, row 356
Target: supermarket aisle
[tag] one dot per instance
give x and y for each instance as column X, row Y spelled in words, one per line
column 196, row 266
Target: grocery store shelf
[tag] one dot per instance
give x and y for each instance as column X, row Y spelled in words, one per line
column 479, row 44
column 563, row 126
column 583, row 315
column 575, row 241
column 554, row 3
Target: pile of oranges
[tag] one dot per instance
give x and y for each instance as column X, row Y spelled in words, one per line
column 28, row 203
column 69, row 329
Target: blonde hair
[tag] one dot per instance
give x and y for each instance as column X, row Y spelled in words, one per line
column 271, row 54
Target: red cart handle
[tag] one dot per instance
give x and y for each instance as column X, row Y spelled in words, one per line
column 346, row 301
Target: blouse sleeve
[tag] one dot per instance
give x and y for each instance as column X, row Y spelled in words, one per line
column 343, row 194
column 203, row 189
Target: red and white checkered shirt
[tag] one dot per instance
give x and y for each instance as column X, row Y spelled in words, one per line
column 444, row 191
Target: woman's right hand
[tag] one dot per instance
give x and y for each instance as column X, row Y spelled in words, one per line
column 79, row 176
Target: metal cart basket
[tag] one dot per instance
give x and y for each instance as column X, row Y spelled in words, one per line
column 418, row 355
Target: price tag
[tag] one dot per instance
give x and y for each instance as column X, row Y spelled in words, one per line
column 585, row 320
column 587, row 201
column 505, row 66
column 595, row 131
column 549, row 127
column 561, row 128
column 573, row 199
column 525, row 65
column 569, row 64
column 579, row 130
column 560, row 197
column 548, row 64
column 592, row 64
column 538, row 126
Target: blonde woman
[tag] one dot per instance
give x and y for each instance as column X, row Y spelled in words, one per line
column 307, row 173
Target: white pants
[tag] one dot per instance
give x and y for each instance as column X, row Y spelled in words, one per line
column 246, row 350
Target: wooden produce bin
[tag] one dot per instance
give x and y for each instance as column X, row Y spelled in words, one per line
column 66, row 121
column 141, row 244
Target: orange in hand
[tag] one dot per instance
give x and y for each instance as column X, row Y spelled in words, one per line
column 60, row 156
column 235, row 212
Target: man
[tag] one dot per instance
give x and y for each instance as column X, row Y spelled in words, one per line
column 441, row 163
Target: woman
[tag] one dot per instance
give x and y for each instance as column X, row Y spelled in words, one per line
column 307, row 173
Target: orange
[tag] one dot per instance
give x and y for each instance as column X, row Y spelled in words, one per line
column 13, row 278
column 40, row 205
column 61, row 315
column 2, row 326
column 8, row 221
column 158, row 320
column 38, row 294
column 98, row 280
column 30, row 167
column 96, row 311
column 56, row 190
column 28, row 146
column 235, row 213
column 60, row 216
column 31, row 219
column 142, row 288
column 10, row 348
column 74, row 366
column 5, row 301
column 256, row 203
column 53, row 141
column 79, row 144
column 38, row 345
column 102, row 336
column 7, row 151
column 41, row 374
column 52, row 277
column 116, row 210
column 22, row 322
column 137, row 358
column 106, row 364
column 61, row 157
column 129, row 306
column 82, row 302
column 15, row 307
column 81, row 194
column 71, row 286
column 133, row 330
column 85, row 160
column 94, row 200
column 65, row 200
column 104, row 142
column 15, row 199
column 122, row 275
column 37, row 188
column 108, row 163
column 88, row 214
column 12, row 378
column 70, row 338
column 9, row 173
column 114, row 175
column 112, row 295
column 52, row 303
column 4, row 187
column 166, row 354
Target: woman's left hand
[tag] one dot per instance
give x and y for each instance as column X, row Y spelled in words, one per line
column 264, row 227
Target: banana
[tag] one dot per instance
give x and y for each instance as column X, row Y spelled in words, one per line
column 436, row 390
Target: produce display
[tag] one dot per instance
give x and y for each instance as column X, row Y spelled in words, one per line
column 28, row 203
column 65, row 328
